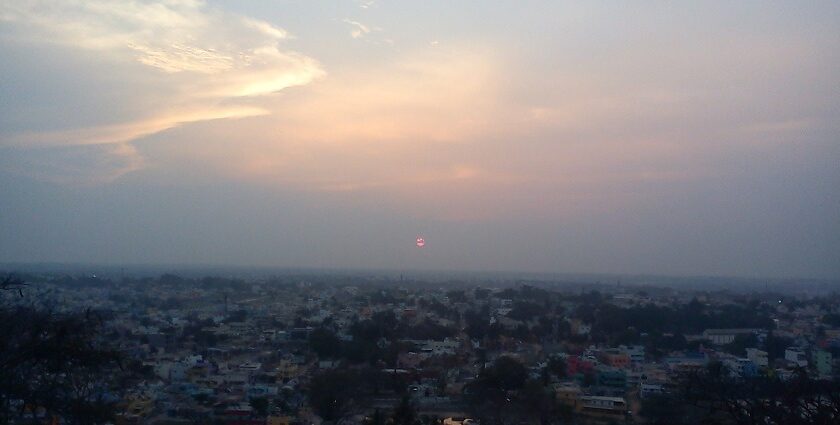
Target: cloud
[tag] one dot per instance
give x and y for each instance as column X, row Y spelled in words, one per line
column 416, row 125
column 210, row 64
column 358, row 30
column 74, row 165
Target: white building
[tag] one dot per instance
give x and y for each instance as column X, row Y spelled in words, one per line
column 447, row 347
column 758, row 357
column 796, row 356
column 646, row 390
column 635, row 352
column 250, row 366
column 607, row 404
column 725, row 336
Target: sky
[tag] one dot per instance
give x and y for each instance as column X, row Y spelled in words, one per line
column 673, row 138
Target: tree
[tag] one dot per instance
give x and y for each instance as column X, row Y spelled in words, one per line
column 331, row 393
column 12, row 283
column 525, row 311
column 662, row 410
column 761, row 400
column 376, row 419
column 508, row 373
column 557, row 367
column 832, row 320
column 404, row 414
column 537, row 401
column 324, row 343
column 57, row 362
column 477, row 323
column 489, row 393
column 457, row 296
column 260, row 405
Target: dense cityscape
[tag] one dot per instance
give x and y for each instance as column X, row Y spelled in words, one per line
column 419, row 212
column 386, row 349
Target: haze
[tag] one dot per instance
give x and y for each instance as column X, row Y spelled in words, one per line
column 636, row 137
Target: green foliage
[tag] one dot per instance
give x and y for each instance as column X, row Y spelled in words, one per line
column 616, row 325
column 557, row 367
column 331, row 392
column 662, row 410
column 776, row 345
column 481, row 293
column 832, row 320
column 457, row 296
column 506, row 374
column 404, row 413
column 324, row 343
column 260, row 405
column 717, row 397
column 428, row 329
column 58, row 362
column 478, row 323
column 526, row 310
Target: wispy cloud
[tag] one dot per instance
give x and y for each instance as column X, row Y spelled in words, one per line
column 205, row 59
column 358, row 29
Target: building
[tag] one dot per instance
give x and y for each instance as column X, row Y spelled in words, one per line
column 649, row 389
column 725, row 336
column 635, row 352
column 822, row 362
column 575, row 365
column 567, row 393
column 796, row 356
column 287, row 370
column 610, row 377
column 458, row 421
column 604, row 404
column 758, row 357
column 615, row 358
column 741, row 367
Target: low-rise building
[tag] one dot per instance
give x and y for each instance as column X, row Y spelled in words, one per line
column 822, row 362
column 615, row 358
column 567, row 393
column 759, row 357
column 796, row 356
column 604, row 404
column 635, row 352
column 725, row 336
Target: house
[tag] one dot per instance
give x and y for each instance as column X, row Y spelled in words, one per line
column 579, row 328
column 604, row 404
column 279, row 420
column 725, row 336
column 250, row 366
column 796, row 356
column 758, row 357
column 649, row 389
column 287, row 370
column 328, row 364
column 458, row 421
column 635, row 352
column 740, row 367
column 575, row 365
column 567, row 393
column 610, row 377
column 615, row 358
column 822, row 361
